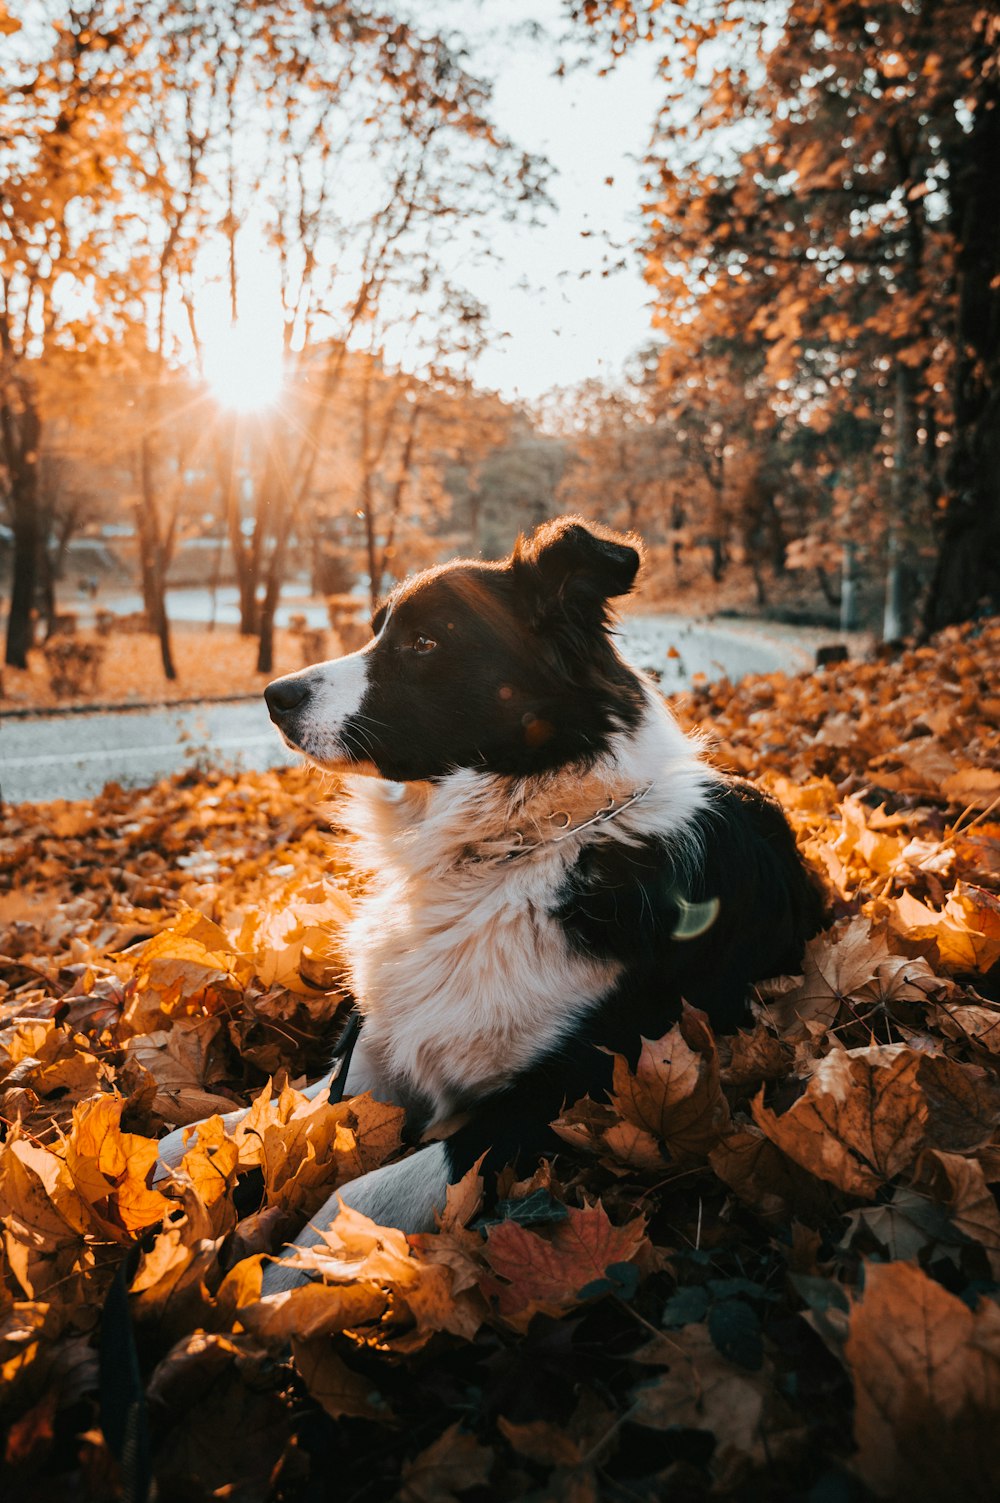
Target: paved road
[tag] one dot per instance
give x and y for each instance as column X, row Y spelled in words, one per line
column 73, row 756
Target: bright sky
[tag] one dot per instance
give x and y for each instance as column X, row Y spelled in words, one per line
column 564, row 320
column 566, row 295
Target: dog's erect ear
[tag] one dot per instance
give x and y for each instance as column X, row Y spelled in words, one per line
column 574, row 565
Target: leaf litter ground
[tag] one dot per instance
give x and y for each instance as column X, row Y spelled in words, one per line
column 766, row 1267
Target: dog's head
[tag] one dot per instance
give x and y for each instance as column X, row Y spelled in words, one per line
column 508, row 667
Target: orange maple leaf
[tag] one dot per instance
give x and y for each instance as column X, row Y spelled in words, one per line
column 555, row 1272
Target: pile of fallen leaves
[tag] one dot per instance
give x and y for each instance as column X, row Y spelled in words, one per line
column 767, row 1266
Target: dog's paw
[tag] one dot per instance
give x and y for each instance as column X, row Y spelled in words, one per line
column 282, row 1275
column 169, row 1152
column 284, row 1272
column 171, row 1149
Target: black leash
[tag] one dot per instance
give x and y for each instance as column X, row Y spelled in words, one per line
column 121, row 1393
column 343, row 1053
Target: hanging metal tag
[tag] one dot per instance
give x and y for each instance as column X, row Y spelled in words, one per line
column 694, row 918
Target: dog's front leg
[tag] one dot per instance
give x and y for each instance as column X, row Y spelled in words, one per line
column 172, row 1148
column 404, row 1195
column 362, row 1075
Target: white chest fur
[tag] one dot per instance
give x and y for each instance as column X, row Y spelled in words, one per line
column 463, row 975
column 463, row 982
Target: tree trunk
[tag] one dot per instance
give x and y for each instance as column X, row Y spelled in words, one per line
column 367, row 508
column 894, row 612
column 777, row 541
column 848, row 589
column 161, row 626
column 245, row 564
column 830, row 595
column 374, row 571
column 20, row 625
column 147, row 582
column 273, row 498
column 47, row 589
column 967, row 571
column 155, row 559
column 720, row 558
column 269, row 605
column 900, row 581
column 718, row 539
column 264, row 511
column 398, row 491
column 21, row 432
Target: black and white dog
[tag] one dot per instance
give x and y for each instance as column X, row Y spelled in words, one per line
column 553, row 865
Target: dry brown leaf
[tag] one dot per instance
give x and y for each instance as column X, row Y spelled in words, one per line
column 879, row 849
column 849, row 964
column 860, row 1121
column 293, row 935
column 585, row 1126
column 227, row 1427
column 306, row 1148
column 973, row 1023
column 312, row 1310
column 675, row 1093
column 671, row 1108
column 762, row 1176
column 188, row 968
column 463, row 1199
column 926, row 1373
column 965, row 933
column 179, row 1059
column 963, row 1103
column 455, row 1463
column 50, row 1059
column 44, row 1222
column 927, row 765
column 959, row 1183
column 972, row 787
column 210, row 1163
column 110, row 1169
column 702, row 1391
column 335, row 1387
column 416, row 1293
column 754, row 1058
column 542, row 1442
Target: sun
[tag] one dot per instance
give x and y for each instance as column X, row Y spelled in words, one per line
column 243, row 367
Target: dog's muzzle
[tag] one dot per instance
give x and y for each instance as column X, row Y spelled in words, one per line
column 285, row 695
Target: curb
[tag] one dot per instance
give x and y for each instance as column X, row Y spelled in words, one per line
column 52, row 712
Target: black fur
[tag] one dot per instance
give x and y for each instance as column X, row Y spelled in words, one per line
column 620, row 902
column 522, row 676
column 509, row 669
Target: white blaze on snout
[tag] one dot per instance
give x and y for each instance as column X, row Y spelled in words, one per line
column 336, row 691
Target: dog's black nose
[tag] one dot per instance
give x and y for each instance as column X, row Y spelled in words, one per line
column 283, row 695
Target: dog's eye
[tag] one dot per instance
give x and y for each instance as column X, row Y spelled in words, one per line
column 423, row 644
